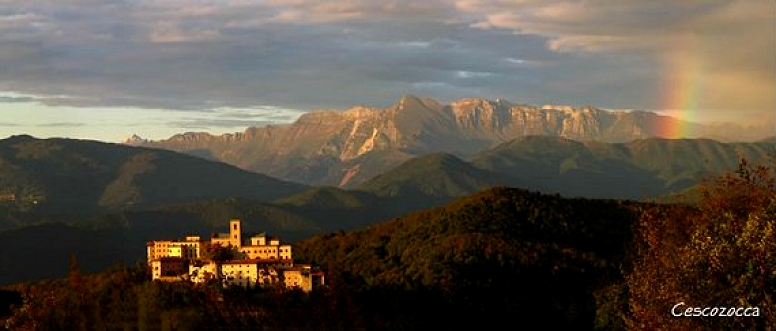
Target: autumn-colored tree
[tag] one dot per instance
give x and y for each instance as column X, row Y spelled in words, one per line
column 718, row 253
column 216, row 252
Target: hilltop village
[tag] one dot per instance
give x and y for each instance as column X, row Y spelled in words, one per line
column 231, row 258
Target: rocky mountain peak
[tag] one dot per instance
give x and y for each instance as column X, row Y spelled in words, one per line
column 562, row 108
column 412, row 102
column 321, row 143
column 482, row 114
column 361, row 112
column 134, row 140
column 409, row 100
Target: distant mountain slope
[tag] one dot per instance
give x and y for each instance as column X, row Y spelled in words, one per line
column 557, row 165
column 639, row 169
column 43, row 251
column 64, row 176
column 688, row 159
column 338, row 209
column 329, row 147
column 328, row 197
column 436, row 175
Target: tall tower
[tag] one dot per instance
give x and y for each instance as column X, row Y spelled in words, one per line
column 235, row 233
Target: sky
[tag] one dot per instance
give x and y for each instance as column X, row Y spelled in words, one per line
column 107, row 69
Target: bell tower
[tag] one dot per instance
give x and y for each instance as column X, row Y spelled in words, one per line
column 235, row 233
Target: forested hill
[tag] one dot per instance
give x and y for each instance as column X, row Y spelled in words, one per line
column 503, row 254
column 501, row 257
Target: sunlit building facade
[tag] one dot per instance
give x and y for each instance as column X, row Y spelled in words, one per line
column 259, row 260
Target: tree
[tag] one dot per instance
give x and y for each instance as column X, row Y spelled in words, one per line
column 719, row 253
column 221, row 253
column 74, row 273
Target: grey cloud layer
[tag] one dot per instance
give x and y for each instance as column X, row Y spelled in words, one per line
column 232, row 119
column 187, row 54
column 63, row 125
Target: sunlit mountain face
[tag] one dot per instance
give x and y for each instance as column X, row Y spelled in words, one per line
column 346, row 148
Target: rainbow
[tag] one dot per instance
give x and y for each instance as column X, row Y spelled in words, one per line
column 682, row 90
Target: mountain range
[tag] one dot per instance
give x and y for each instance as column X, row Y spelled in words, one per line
column 337, row 171
column 645, row 169
column 346, row 148
column 73, row 179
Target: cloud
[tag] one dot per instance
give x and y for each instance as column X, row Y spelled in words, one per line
column 16, row 99
column 215, row 124
column 7, row 97
column 189, row 55
column 314, row 12
column 304, row 54
column 62, row 125
column 592, row 25
column 166, row 32
column 232, row 119
column 732, row 41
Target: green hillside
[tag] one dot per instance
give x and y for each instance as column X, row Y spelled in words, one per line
column 641, row 169
column 440, row 176
column 76, row 178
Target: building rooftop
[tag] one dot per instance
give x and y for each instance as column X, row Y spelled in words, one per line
column 153, row 242
column 257, row 261
column 168, row 259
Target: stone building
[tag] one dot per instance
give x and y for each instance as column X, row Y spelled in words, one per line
column 259, row 260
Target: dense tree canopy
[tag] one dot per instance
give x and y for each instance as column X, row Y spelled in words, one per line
column 498, row 256
column 719, row 253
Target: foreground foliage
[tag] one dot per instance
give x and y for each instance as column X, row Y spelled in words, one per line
column 123, row 299
column 720, row 253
